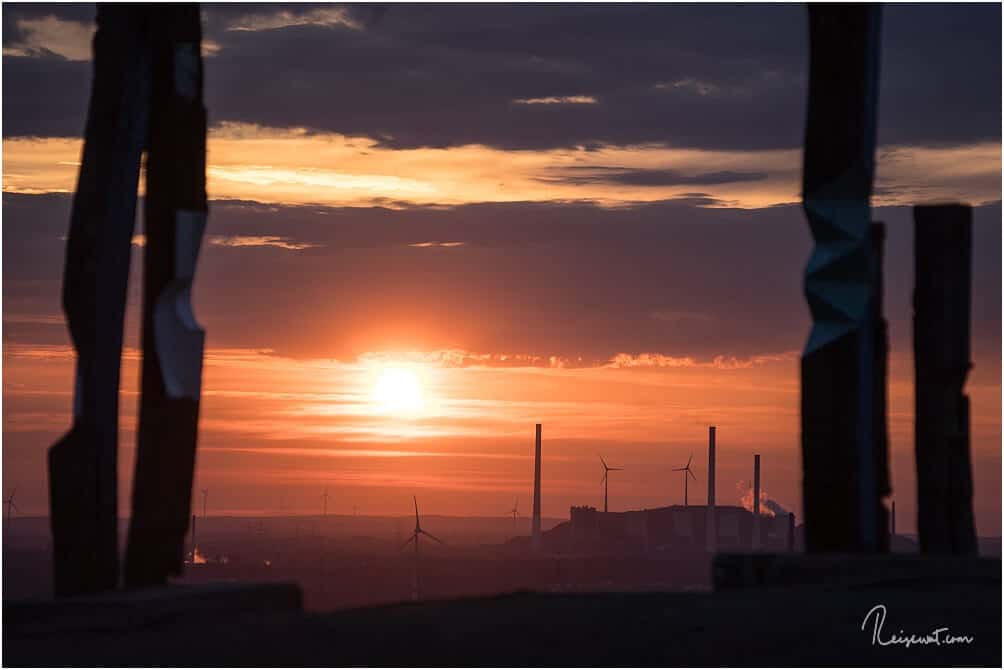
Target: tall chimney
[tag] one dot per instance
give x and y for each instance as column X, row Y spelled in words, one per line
column 756, row 501
column 712, row 523
column 536, row 491
column 791, row 532
column 711, row 466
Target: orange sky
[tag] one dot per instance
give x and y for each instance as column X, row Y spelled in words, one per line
column 275, row 432
column 294, row 167
column 595, row 227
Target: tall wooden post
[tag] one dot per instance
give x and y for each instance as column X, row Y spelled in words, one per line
column 83, row 476
column 880, row 418
column 941, row 303
column 842, row 486
column 175, row 217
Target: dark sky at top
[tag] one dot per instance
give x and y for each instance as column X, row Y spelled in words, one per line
column 719, row 76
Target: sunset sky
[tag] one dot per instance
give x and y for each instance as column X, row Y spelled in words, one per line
column 434, row 226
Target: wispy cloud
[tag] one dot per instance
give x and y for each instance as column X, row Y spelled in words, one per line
column 49, row 35
column 300, row 172
column 689, row 85
column 602, row 174
column 259, row 241
column 427, row 245
column 558, row 100
column 328, row 17
column 654, row 360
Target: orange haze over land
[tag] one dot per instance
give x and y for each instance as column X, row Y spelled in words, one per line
column 276, row 432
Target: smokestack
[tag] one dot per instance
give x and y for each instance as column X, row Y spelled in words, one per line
column 791, row 532
column 711, row 466
column 712, row 522
column 536, row 491
column 756, row 501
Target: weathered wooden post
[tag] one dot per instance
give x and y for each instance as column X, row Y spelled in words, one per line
column 146, row 95
column 175, row 219
column 843, row 484
column 880, row 418
column 941, row 304
column 892, row 523
column 83, row 476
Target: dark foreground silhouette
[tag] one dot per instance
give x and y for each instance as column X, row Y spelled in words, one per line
column 761, row 627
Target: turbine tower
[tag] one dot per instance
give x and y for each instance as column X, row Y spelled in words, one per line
column 515, row 512
column 686, row 482
column 606, row 481
column 415, row 593
column 10, row 505
column 535, row 526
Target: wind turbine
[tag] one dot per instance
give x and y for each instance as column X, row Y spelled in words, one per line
column 10, row 505
column 414, row 538
column 686, row 471
column 515, row 512
column 606, row 481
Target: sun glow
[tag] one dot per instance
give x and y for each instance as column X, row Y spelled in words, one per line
column 397, row 391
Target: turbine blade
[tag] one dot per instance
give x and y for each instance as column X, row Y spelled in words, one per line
column 604, row 463
column 416, row 509
column 690, row 459
column 691, row 473
column 408, row 541
column 431, row 536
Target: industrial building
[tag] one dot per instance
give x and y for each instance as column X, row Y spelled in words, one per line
column 676, row 529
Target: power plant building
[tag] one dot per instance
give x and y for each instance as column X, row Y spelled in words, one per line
column 676, row 529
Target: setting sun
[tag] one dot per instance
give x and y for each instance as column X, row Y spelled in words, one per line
column 397, row 390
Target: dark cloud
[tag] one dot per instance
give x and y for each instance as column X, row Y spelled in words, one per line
column 648, row 177
column 44, row 96
column 568, row 280
column 713, row 76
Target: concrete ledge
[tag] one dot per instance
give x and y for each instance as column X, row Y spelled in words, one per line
column 149, row 608
column 732, row 572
